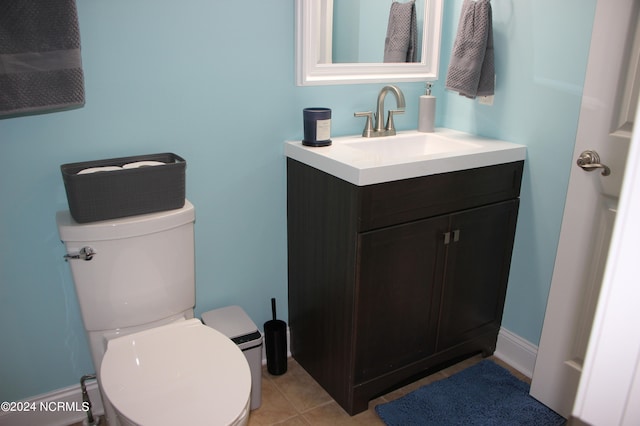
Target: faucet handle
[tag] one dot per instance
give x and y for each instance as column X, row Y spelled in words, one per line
column 390, row 128
column 368, row 127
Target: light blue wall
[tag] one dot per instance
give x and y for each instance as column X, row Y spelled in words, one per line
column 541, row 50
column 214, row 82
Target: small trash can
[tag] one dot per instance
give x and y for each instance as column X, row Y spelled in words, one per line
column 233, row 322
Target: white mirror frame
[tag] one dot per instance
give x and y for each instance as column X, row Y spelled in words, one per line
column 312, row 14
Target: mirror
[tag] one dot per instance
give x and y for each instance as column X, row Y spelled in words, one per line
column 325, row 46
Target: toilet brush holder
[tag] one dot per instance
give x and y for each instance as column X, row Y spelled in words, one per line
column 275, row 340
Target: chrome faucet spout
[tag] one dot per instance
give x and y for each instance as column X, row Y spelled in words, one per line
column 400, row 103
column 380, row 129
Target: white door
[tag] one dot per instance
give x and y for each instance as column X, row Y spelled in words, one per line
column 609, row 388
column 606, row 120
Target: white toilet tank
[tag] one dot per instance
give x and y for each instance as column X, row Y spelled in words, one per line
column 142, row 270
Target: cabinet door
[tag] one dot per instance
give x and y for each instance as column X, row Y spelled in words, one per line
column 399, row 269
column 476, row 274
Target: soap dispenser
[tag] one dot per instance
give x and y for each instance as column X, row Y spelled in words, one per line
column 427, row 111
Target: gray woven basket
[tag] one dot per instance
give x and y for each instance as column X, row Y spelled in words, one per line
column 128, row 192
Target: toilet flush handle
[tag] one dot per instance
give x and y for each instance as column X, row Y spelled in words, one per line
column 85, row 253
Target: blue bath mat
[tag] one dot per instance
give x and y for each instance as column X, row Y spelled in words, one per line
column 484, row 394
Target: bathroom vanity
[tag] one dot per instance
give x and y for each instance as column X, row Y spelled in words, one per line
column 397, row 266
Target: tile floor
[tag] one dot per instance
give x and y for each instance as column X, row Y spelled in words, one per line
column 294, row 398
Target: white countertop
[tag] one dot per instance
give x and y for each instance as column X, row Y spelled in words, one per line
column 367, row 161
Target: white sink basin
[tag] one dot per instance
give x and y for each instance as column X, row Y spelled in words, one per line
column 409, row 145
column 367, row 161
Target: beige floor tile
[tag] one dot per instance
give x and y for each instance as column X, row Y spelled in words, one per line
column 332, row 414
column 295, row 421
column 299, row 388
column 275, row 408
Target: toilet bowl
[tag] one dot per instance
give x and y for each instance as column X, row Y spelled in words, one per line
column 178, row 374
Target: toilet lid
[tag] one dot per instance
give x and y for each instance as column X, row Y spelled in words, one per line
column 181, row 373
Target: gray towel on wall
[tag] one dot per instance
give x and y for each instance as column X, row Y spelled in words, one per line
column 472, row 70
column 40, row 63
column 401, row 42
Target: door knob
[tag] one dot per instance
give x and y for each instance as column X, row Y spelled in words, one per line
column 589, row 160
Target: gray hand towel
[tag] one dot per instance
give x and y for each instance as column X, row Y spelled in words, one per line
column 401, row 42
column 472, row 70
column 40, row 63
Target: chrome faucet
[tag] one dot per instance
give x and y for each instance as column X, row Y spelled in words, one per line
column 389, row 129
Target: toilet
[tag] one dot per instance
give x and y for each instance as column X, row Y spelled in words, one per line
column 155, row 363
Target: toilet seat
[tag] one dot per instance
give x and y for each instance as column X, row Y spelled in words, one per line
column 181, row 373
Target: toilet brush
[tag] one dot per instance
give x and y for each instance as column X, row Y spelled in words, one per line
column 275, row 336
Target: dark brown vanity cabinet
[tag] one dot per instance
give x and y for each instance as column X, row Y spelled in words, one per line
column 389, row 281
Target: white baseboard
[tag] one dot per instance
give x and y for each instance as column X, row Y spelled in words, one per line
column 60, row 407
column 516, row 351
